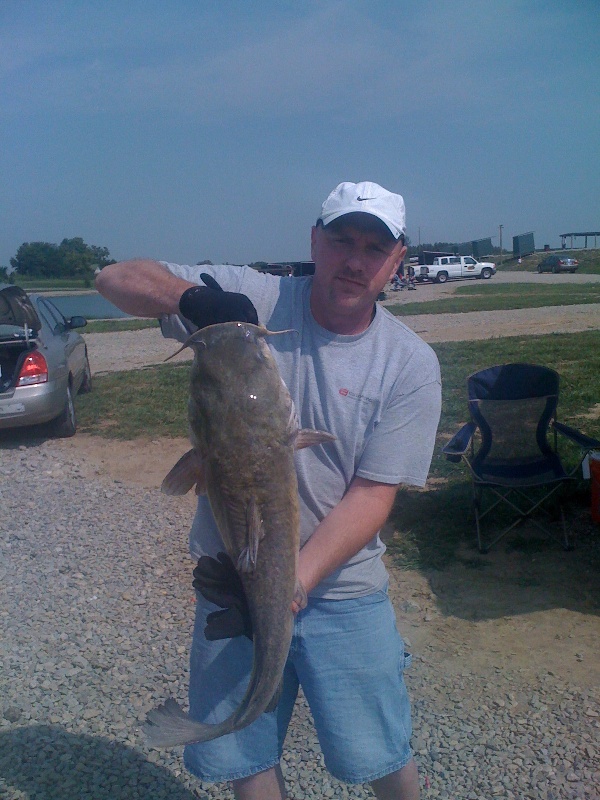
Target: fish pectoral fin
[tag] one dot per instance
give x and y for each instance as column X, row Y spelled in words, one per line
column 189, row 470
column 274, row 701
column 254, row 533
column 309, row 438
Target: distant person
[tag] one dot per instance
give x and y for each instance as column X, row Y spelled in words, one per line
column 358, row 372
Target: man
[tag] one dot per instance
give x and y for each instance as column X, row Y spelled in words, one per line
column 356, row 371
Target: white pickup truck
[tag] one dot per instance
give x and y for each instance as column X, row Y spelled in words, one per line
column 445, row 267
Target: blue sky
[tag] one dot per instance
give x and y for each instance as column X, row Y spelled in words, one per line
column 186, row 130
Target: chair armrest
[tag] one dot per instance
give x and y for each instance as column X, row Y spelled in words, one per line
column 585, row 442
column 459, row 444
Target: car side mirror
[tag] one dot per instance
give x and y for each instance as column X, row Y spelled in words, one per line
column 76, row 322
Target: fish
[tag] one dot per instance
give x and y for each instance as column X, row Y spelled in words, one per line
column 244, row 430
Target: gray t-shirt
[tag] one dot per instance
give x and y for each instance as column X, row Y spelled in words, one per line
column 377, row 392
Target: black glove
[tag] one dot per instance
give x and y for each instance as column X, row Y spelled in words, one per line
column 218, row 581
column 209, row 305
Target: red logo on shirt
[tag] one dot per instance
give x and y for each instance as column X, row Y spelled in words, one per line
column 344, row 392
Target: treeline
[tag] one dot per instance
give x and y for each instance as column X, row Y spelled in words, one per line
column 441, row 247
column 72, row 258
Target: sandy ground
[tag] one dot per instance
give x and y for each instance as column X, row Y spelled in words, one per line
column 535, row 612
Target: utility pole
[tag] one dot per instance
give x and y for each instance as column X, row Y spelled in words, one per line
column 500, row 229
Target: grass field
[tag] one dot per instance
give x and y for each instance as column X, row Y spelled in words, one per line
column 151, row 402
column 430, row 526
column 589, row 261
column 490, row 297
column 116, row 325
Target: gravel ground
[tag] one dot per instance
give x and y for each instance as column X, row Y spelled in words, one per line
column 95, row 624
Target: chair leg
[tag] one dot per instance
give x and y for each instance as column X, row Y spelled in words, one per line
column 523, row 515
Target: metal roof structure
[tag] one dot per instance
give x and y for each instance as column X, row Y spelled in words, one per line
column 565, row 236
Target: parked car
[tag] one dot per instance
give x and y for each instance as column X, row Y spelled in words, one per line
column 557, row 264
column 43, row 363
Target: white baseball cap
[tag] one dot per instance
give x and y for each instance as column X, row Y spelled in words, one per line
column 366, row 198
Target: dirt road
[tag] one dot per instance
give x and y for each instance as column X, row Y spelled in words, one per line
column 110, row 352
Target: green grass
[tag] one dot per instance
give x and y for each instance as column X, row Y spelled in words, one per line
column 151, row 402
column 140, row 403
column 503, row 297
column 589, row 261
column 431, row 527
column 117, row 325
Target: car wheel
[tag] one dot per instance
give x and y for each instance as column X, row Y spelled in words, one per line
column 486, row 273
column 540, row 270
column 555, row 270
column 65, row 424
column 441, row 277
column 86, row 383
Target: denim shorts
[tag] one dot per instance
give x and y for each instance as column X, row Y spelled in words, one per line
column 349, row 659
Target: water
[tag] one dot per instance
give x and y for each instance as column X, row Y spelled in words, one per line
column 90, row 306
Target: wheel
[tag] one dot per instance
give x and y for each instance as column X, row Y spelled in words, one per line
column 86, row 383
column 540, row 270
column 486, row 273
column 65, row 424
column 441, row 277
column 555, row 269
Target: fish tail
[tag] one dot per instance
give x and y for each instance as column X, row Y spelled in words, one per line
column 168, row 726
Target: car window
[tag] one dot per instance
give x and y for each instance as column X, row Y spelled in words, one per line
column 54, row 319
column 469, row 260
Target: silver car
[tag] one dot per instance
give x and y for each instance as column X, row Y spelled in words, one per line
column 43, row 363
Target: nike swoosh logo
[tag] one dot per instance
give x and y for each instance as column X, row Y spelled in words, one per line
column 360, row 199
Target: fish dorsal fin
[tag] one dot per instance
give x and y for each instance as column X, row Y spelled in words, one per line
column 254, row 533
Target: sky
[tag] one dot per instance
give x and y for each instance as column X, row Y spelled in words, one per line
column 187, row 130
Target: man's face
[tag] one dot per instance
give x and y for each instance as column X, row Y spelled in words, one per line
column 354, row 258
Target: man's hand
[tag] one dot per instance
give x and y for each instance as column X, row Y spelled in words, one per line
column 209, row 305
column 218, row 581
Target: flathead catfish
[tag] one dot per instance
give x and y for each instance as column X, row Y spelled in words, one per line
column 244, row 430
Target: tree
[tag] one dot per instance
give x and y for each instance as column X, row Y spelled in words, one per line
column 71, row 258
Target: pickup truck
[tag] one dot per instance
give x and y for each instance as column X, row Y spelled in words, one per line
column 445, row 267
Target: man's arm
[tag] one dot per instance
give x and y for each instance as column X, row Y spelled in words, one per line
column 142, row 287
column 347, row 528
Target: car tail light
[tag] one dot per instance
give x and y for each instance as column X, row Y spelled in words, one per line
column 34, row 370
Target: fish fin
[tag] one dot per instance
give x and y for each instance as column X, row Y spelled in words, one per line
column 274, row 701
column 300, row 597
column 168, row 726
column 308, row 438
column 254, row 533
column 189, row 470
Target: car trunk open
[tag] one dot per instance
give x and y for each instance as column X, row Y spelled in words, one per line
column 19, row 328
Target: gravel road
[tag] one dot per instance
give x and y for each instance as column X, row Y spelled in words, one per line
column 95, row 625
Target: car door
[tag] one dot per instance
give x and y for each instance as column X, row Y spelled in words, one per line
column 65, row 339
column 468, row 267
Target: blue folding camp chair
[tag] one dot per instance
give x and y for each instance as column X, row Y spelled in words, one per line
column 506, row 446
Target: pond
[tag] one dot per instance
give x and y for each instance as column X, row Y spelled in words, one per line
column 89, row 305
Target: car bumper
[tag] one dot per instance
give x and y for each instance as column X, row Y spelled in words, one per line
column 31, row 405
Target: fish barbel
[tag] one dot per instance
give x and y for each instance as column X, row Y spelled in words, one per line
column 244, row 430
